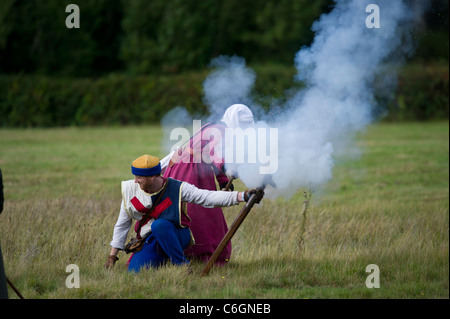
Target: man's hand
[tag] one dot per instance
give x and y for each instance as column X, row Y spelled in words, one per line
column 111, row 261
column 250, row 192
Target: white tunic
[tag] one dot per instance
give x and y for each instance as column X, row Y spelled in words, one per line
column 189, row 193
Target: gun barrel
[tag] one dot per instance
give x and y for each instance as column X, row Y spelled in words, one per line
column 232, row 230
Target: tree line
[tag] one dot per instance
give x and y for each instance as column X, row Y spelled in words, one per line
column 168, row 36
column 132, row 60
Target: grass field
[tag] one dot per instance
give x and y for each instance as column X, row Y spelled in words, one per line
column 388, row 207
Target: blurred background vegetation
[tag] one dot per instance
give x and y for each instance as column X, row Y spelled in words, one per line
column 133, row 60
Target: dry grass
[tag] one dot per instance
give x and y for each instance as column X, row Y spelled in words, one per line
column 371, row 213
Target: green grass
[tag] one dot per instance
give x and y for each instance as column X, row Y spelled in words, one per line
column 387, row 206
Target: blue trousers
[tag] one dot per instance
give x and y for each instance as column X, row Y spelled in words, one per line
column 166, row 242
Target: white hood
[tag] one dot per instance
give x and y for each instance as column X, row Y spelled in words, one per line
column 238, row 115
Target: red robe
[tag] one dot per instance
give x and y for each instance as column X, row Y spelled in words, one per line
column 200, row 162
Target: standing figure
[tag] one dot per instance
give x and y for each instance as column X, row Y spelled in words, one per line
column 3, row 287
column 201, row 162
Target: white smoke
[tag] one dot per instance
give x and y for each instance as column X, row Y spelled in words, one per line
column 230, row 82
column 175, row 118
column 339, row 70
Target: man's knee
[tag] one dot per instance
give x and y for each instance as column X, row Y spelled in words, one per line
column 161, row 225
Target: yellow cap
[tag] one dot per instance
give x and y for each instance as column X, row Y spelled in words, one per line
column 146, row 165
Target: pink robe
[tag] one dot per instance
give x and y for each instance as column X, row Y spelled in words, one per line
column 208, row 225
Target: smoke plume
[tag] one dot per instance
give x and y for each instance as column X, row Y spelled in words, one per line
column 230, row 82
column 339, row 71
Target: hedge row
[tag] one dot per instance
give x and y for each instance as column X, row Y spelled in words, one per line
column 37, row 101
column 29, row 101
column 422, row 94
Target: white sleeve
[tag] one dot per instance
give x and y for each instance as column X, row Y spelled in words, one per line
column 165, row 161
column 121, row 229
column 207, row 198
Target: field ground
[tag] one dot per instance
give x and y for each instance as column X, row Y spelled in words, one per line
column 389, row 207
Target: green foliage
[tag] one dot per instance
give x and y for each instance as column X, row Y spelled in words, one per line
column 133, row 60
column 158, row 36
column 34, row 37
column 28, row 101
column 175, row 35
column 422, row 94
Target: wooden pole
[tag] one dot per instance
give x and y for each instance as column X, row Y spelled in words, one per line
column 230, row 181
column 232, row 230
column 14, row 288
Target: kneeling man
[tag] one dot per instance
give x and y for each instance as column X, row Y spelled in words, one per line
column 158, row 205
